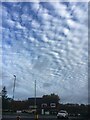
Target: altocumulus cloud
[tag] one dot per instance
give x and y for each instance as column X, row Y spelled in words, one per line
column 47, row 42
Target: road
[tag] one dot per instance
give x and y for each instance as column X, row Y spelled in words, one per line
column 48, row 117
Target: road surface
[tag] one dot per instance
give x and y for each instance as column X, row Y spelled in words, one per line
column 30, row 117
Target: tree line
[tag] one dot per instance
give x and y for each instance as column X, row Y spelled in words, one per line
column 8, row 104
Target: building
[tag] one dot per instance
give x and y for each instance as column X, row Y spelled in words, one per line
column 44, row 105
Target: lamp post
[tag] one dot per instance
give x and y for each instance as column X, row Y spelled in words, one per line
column 14, row 85
column 13, row 92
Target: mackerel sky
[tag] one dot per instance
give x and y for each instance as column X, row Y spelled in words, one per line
column 46, row 42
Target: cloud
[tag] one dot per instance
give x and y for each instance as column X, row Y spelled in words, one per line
column 46, row 42
column 47, row 84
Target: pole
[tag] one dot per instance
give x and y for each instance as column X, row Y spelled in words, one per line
column 35, row 95
column 14, row 85
column 36, row 115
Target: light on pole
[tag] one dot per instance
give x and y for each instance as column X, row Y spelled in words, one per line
column 14, row 85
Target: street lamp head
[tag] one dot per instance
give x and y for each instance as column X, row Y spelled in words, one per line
column 14, row 75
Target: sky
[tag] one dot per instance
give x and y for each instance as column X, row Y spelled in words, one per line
column 46, row 42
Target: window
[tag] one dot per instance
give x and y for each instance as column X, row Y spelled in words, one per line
column 52, row 105
column 44, row 105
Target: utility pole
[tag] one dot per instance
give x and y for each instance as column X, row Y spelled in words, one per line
column 35, row 95
column 14, row 85
column 36, row 114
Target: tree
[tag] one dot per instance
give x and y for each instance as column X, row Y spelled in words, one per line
column 4, row 93
column 52, row 97
column 4, row 98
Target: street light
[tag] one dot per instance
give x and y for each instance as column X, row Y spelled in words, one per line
column 14, row 85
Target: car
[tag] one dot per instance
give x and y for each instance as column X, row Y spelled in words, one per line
column 19, row 111
column 62, row 114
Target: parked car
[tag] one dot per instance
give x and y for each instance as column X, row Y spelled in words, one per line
column 19, row 111
column 62, row 114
